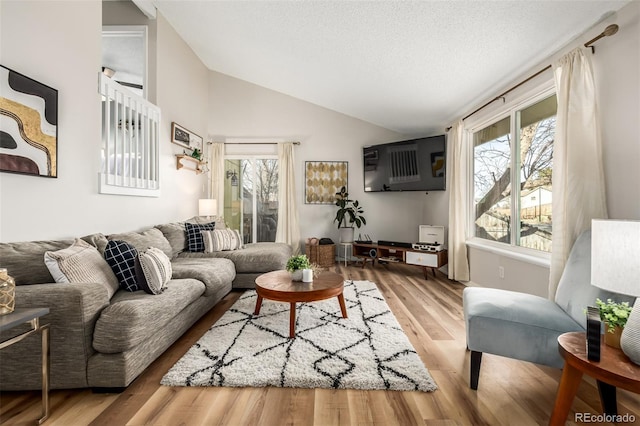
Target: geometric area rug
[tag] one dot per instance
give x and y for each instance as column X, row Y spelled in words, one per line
column 367, row 350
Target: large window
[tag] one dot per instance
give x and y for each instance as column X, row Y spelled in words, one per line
column 251, row 197
column 512, row 179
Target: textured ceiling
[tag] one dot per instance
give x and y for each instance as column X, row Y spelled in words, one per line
column 409, row 66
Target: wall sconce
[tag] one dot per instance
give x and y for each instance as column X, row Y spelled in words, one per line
column 234, row 177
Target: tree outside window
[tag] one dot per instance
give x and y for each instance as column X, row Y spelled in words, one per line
column 521, row 141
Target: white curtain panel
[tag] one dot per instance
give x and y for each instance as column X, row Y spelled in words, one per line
column 458, row 171
column 578, row 176
column 217, row 175
column 288, row 230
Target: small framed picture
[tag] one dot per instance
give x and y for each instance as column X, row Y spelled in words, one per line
column 184, row 137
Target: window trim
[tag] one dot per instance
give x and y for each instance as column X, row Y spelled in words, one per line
column 508, row 109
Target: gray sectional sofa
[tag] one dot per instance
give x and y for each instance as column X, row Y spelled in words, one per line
column 105, row 343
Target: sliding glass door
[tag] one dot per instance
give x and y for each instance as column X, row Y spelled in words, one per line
column 251, row 197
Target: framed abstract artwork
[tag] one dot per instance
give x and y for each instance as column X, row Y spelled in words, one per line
column 323, row 179
column 28, row 125
column 184, row 137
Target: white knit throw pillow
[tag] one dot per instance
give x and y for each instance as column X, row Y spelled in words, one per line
column 221, row 239
column 156, row 270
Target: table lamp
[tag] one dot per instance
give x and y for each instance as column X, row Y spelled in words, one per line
column 207, row 207
column 615, row 266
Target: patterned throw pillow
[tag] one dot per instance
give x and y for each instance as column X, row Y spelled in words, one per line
column 221, row 239
column 194, row 235
column 81, row 263
column 122, row 258
column 154, row 270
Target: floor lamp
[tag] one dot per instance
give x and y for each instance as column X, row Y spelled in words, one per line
column 615, row 266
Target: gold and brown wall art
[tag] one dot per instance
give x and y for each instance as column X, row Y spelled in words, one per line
column 323, row 179
column 28, row 125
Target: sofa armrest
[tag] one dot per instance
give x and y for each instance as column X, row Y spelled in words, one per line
column 74, row 309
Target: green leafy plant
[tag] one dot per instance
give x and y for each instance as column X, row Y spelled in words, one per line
column 613, row 313
column 348, row 209
column 300, row 261
column 197, row 154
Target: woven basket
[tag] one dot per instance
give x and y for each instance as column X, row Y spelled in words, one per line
column 322, row 255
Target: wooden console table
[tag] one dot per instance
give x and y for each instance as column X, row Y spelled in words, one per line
column 393, row 254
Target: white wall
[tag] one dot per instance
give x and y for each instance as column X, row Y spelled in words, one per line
column 65, row 53
column 239, row 109
column 617, row 73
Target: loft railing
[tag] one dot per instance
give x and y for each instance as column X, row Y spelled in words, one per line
column 130, row 142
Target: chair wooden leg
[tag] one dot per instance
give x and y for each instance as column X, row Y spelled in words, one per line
column 476, row 360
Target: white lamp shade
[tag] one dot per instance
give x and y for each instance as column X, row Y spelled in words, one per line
column 615, row 255
column 207, row 207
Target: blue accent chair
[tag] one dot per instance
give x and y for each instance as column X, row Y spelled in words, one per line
column 526, row 327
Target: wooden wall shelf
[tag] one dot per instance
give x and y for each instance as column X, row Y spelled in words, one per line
column 180, row 164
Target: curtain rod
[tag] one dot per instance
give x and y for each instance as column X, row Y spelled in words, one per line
column 252, row 143
column 501, row 95
column 610, row 30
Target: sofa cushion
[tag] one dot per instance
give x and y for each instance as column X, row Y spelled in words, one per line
column 257, row 257
column 154, row 270
column 216, row 274
column 25, row 260
column 80, row 263
column 131, row 318
column 176, row 235
column 122, row 257
column 195, row 242
column 142, row 240
column 221, row 240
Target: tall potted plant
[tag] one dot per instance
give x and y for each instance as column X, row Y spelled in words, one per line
column 349, row 213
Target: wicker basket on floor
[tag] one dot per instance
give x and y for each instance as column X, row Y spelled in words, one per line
column 322, row 255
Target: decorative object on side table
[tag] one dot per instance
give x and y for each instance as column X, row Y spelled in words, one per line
column 615, row 316
column 296, row 264
column 350, row 210
column 593, row 333
column 615, row 266
column 7, row 292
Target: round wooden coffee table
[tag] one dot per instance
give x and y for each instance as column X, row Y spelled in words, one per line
column 277, row 285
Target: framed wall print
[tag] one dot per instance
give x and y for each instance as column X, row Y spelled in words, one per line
column 184, row 137
column 28, row 125
column 323, row 179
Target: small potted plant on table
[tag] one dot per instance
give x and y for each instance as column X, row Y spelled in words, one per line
column 296, row 264
column 615, row 316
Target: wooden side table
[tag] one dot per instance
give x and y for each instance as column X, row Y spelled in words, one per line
column 614, row 370
column 32, row 316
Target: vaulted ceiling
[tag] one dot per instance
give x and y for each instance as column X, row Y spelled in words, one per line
column 409, row 66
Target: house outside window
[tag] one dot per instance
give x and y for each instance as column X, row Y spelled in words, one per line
column 512, row 176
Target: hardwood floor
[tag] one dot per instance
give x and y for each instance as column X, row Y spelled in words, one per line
column 430, row 312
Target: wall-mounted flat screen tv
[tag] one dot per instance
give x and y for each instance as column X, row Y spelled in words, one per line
column 411, row 165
